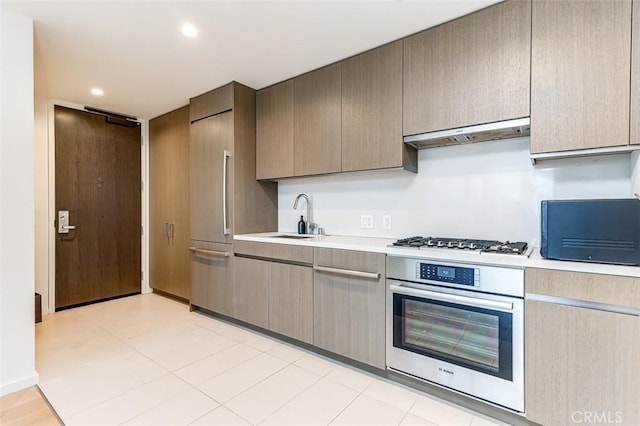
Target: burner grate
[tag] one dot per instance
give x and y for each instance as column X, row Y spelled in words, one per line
column 486, row 246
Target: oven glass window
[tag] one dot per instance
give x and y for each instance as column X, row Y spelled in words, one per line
column 475, row 338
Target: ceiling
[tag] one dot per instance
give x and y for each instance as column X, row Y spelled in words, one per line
column 135, row 52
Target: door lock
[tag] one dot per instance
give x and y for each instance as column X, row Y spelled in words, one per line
column 63, row 222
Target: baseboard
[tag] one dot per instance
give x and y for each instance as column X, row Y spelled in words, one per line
column 25, row 382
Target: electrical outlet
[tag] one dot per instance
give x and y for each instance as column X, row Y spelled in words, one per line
column 386, row 221
column 366, row 221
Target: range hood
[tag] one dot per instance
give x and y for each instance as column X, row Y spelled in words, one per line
column 479, row 133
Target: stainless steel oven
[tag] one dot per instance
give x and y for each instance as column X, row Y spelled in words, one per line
column 458, row 325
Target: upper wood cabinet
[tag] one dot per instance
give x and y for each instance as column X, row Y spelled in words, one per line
column 317, row 97
column 169, row 263
column 580, row 66
column 473, row 70
column 274, row 131
column 211, row 103
column 635, row 75
column 372, row 111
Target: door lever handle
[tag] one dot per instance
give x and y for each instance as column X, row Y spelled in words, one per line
column 63, row 222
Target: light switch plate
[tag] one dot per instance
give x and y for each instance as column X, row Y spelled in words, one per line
column 386, row 221
column 366, row 221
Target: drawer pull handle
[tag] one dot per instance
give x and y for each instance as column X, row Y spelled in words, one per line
column 360, row 274
column 212, row 253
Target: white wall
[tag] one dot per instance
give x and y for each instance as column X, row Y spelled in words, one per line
column 41, row 180
column 486, row 190
column 17, row 334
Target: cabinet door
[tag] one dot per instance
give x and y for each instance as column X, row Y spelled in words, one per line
column 581, row 362
column 348, row 306
column 274, row 131
column 211, row 103
column 318, row 121
column 473, row 70
column 251, row 291
column 169, row 236
column 212, row 277
column 635, row 75
column 372, row 110
column 580, row 66
column 210, row 189
column 291, row 301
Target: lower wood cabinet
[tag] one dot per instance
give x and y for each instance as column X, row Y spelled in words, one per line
column 349, row 304
column 582, row 362
column 251, row 295
column 291, row 301
column 274, row 288
column 212, row 277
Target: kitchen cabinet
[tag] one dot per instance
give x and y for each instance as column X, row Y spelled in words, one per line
column 318, row 121
column 213, row 102
column 473, row 70
column 211, row 143
column 212, row 277
column 225, row 196
column 582, row 357
column 349, row 304
column 635, row 75
column 580, row 67
column 169, row 263
column 372, row 111
column 274, row 131
column 251, row 292
column 275, row 288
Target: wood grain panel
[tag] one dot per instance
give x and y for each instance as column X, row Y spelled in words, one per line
column 635, row 75
column 254, row 205
column 169, row 260
column 349, row 312
column 614, row 290
column 98, row 177
column 318, row 117
column 211, row 103
column 472, row 70
column 372, row 111
column 291, row 301
column 210, row 137
column 581, row 361
column 212, row 279
column 274, row 131
column 286, row 252
column 580, row 70
column 251, row 291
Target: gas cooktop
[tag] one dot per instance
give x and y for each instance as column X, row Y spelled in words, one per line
column 483, row 246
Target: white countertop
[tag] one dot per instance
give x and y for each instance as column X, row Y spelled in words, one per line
column 382, row 245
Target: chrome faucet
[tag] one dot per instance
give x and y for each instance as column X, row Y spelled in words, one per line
column 310, row 225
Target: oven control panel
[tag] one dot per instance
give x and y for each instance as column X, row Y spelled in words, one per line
column 448, row 274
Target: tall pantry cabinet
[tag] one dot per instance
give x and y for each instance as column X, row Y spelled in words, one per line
column 225, row 196
column 169, row 263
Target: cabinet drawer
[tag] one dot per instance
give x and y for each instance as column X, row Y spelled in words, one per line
column 212, row 277
column 211, row 103
column 597, row 288
column 285, row 252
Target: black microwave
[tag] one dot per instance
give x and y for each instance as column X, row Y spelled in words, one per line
column 602, row 231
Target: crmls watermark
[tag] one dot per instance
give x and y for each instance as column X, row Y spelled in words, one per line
column 597, row 417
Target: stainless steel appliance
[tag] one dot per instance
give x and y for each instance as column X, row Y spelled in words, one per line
column 458, row 325
column 480, row 246
column 604, row 231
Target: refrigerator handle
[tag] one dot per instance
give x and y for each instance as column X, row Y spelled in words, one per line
column 225, row 222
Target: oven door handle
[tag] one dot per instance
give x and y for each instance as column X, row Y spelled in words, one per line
column 454, row 298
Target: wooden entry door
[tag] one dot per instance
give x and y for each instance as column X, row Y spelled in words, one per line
column 98, row 181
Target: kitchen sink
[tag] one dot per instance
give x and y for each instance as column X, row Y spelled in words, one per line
column 293, row 237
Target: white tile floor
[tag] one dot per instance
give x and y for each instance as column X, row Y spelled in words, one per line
column 147, row 360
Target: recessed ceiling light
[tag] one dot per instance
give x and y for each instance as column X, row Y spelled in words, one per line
column 97, row 91
column 189, row 30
